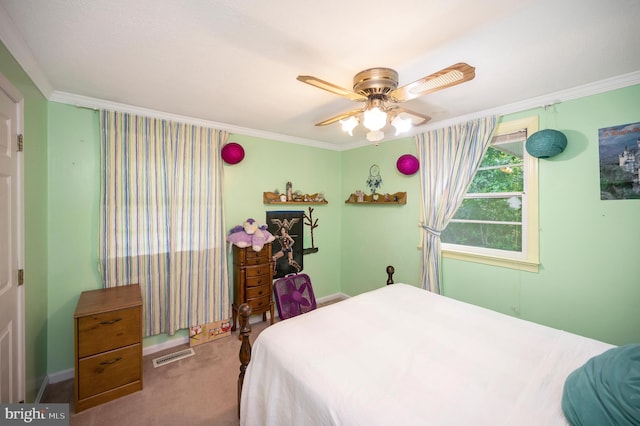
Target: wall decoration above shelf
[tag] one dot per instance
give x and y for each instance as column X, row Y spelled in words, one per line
column 359, row 198
column 275, row 198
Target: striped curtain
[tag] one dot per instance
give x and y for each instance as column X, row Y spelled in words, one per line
column 161, row 218
column 449, row 159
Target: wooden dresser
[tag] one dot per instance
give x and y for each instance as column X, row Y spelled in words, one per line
column 252, row 281
column 108, row 345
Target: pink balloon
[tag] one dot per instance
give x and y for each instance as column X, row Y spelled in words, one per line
column 407, row 164
column 232, row 153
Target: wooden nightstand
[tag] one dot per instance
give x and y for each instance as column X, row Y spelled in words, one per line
column 108, row 345
column 253, row 281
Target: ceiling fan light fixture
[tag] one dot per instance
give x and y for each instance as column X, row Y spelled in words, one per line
column 375, row 136
column 378, row 87
column 401, row 124
column 374, row 119
column 349, row 124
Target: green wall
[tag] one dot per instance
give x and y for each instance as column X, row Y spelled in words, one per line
column 35, row 217
column 74, row 194
column 587, row 282
column 375, row 236
column 74, row 187
column 588, row 279
column 268, row 165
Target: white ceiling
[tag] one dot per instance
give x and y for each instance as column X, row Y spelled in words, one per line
column 233, row 63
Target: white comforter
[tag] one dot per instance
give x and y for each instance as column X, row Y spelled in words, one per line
column 401, row 355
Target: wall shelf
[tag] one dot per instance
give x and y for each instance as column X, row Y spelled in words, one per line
column 273, row 198
column 397, row 198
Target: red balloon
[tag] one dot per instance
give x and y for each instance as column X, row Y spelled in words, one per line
column 232, row 153
column 407, row 164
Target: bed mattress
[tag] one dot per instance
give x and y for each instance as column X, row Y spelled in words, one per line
column 400, row 355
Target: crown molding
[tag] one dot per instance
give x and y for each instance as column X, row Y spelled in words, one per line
column 577, row 92
column 14, row 42
column 97, row 104
column 606, row 85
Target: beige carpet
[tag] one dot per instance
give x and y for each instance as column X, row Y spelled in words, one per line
column 199, row 390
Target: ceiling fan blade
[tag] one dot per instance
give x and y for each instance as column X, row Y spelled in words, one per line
column 450, row 76
column 330, row 87
column 399, row 110
column 340, row 117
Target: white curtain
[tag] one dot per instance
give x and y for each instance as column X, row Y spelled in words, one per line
column 449, row 158
column 161, row 218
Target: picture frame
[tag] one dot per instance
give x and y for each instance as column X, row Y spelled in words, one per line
column 287, row 248
column 619, row 149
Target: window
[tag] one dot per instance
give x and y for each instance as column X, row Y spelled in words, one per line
column 497, row 223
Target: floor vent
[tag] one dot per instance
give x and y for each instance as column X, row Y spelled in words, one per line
column 175, row 356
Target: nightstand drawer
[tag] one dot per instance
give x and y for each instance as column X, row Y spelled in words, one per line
column 109, row 370
column 257, row 292
column 254, row 271
column 259, row 305
column 109, row 330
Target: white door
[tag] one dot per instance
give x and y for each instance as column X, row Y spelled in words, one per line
column 11, row 298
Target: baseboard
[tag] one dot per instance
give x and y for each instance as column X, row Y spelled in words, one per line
column 60, row 376
column 43, row 386
column 148, row 350
column 331, row 297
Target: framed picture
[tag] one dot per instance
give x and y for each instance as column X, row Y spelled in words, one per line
column 287, row 227
column 619, row 162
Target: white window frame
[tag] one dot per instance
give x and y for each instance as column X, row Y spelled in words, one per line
column 528, row 259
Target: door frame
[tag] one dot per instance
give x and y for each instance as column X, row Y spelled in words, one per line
column 15, row 95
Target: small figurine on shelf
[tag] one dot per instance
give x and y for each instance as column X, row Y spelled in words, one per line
column 289, row 192
column 360, row 196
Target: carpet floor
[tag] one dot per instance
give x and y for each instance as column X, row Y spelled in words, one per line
column 198, row 390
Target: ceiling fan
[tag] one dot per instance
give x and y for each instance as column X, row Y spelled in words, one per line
column 378, row 87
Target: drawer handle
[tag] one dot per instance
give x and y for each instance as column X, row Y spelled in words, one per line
column 113, row 361
column 113, row 321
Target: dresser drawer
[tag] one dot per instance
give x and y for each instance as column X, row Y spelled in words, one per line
column 256, row 257
column 258, row 281
column 260, row 304
column 109, row 330
column 109, row 370
column 254, row 271
column 257, row 292
column 249, row 257
column 252, row 281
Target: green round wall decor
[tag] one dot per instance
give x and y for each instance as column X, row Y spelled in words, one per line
column 546, row 143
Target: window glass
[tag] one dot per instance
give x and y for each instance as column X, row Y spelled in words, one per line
column 497, row 222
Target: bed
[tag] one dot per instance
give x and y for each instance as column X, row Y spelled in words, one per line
column 400, row 355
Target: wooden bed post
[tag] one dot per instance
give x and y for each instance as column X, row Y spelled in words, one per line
column 245, row 347
column 390, row 271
